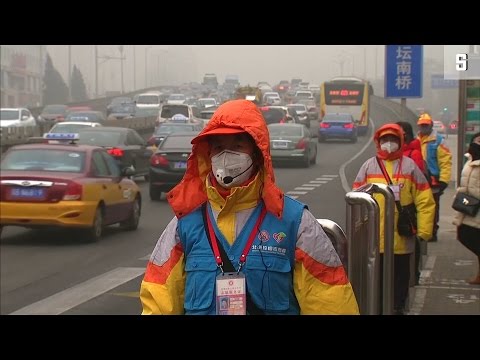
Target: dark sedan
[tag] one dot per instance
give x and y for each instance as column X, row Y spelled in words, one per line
column 292, row 143
column 124, row 144
column 169, row 163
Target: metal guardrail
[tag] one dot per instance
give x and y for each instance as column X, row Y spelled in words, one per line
column 363, row 233
column 10, row 136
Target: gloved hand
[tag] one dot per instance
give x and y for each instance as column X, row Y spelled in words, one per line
column 442, row 185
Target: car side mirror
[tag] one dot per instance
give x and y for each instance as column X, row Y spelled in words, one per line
column 128, row 171
column 24, row 117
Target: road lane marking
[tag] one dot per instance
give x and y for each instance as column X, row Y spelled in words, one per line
column 81, row 293
column 309, row 184
column 293, row 196
column 304, row 188
column 296, row 192
column 346, row 186
column 319, row 182
column 330, row 176
column 324, row 178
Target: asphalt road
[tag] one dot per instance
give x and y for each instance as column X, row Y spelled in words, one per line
column 50, row 272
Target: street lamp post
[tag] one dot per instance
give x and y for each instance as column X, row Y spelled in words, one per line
column 69, row 72
column 146, row 72
column 120, row 48
column 134, row 70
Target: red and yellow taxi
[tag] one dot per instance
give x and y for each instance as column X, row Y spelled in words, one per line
column 67, row 185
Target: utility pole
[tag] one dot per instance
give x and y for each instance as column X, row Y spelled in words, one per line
column 134, row 70
column 146, row 72
column 120, row 48
column 364, row 63
column 96, row 71
column 69, row 72
column 106, row 58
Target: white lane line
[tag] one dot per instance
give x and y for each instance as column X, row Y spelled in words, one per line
column 293, row 196
column 310, row 184
column 330, row 176
column 296, row 192
column 324, row 178
column 318, row 181
column 421, row 292
column 78, row 294
column 346, row 186
column 146, row 257
column 304, row 188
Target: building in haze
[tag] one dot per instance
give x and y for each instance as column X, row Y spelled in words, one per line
column 21, row 75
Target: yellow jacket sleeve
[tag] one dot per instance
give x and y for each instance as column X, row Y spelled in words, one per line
column 320, row 281
column 444, row 157
column 162, row 291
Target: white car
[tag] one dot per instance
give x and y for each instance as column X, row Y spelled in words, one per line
column 72, row 126
column 16, row 117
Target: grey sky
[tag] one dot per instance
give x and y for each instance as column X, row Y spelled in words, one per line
column 176, row 64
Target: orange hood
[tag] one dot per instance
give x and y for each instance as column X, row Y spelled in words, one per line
column 386, row 129
column 235, row 116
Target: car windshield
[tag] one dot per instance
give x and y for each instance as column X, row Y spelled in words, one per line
column 148, row 99
column 54, row 109
column 285, row 130
column 9, row 115
column 123, row 109
column 170, row 110
column 83, row 116
column 272, row 116
column 171, row 128
column 100, row 138
column 44, row 160
column 176, row 142
column 68, row 128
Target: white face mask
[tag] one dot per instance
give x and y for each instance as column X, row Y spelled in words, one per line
column 389, row 146
column 231, row 168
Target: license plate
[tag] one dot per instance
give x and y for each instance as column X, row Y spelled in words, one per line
column 280, row 145
column 27, row 193
column 180, row 165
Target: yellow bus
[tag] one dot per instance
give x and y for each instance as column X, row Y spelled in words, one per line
column 347, row 95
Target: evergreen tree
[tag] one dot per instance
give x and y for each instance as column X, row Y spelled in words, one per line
column 55, row 90
column 79, row 90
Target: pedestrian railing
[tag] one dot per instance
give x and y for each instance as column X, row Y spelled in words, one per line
column 338, row 239
column 363, row 234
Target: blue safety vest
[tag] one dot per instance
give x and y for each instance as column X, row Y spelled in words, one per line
column 268, row 268
column 432, row 160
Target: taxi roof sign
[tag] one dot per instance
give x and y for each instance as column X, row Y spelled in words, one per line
column 61, row 136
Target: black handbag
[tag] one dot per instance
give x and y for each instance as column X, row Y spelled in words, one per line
column 466, row 204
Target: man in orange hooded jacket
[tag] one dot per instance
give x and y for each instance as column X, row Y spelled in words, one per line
column 228, row 198
column 410, row 187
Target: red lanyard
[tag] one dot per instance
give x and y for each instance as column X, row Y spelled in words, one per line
column 246, row 249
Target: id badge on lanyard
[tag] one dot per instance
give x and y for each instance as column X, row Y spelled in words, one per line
column 231, row 294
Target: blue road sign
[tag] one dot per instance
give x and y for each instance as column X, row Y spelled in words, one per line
column 438, row 82
column 403, row 71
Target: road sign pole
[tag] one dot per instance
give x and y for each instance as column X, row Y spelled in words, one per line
column 403, row 103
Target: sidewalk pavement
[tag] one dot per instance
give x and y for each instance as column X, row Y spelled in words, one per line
column 443, row 288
